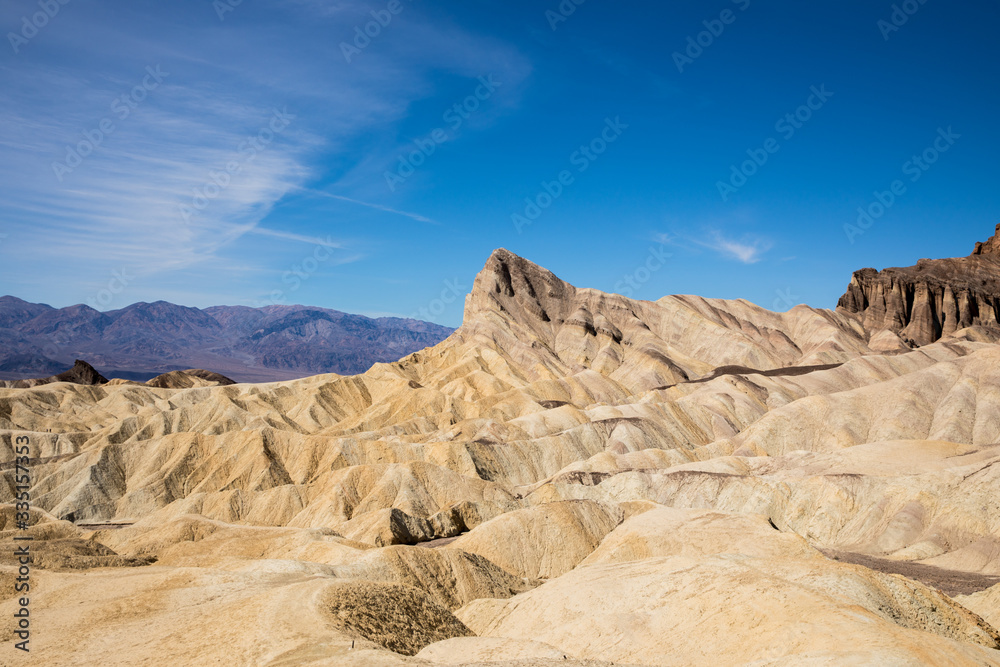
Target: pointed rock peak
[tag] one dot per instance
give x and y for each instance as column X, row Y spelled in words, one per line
column 521, row 290
column 990, row 247
column 82, row 373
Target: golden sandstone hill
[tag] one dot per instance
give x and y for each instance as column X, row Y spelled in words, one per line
column 571, row 478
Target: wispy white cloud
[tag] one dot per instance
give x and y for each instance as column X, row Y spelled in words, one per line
column 119, row 202
column 747, row 249
column 378, row 207
column 121, row 205
column 290, row 236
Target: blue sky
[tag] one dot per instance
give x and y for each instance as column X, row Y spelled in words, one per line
column 215, row 153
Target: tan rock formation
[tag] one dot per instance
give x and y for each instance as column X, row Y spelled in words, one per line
column 570, row 473
column 985, row 603
column 194, row 377
column 541, row 542
column 735, row 610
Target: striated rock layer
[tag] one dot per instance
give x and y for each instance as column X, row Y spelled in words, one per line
column 933, row 299
column 570, row 478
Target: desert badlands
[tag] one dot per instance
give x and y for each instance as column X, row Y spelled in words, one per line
column 571, row 478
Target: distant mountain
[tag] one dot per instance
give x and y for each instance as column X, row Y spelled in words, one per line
column 144, row 340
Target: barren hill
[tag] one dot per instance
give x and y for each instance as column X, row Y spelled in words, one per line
column 629, row 482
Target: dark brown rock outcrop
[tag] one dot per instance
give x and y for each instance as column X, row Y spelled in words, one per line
column 933, row 299
column 194, row 377
column 991, row 247
column 81, row 373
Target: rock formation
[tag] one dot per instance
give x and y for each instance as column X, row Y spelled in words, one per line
column 85, row 374
column 991, row 247
column 81, row 373
column 932, row 300
column 193, row 377
column 572, row 477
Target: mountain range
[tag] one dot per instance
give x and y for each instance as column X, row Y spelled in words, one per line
column 908, row 307
column 572, row 477
column 145, row 340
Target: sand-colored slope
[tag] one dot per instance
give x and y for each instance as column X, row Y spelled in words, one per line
column 986, row 603
column 625, row 479
column 729, row 610
column 638, row 599
column 542, row 542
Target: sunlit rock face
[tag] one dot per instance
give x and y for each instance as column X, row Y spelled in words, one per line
column 934, row 299
column 571, row 477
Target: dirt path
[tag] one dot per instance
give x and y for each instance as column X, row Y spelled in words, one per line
column 103, row 526
column 440, row 542
column 789, row 371
column 950, row 582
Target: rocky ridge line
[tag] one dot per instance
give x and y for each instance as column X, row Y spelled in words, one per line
column 932, row 300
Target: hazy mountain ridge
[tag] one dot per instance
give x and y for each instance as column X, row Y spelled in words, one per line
column 249, row 344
